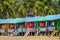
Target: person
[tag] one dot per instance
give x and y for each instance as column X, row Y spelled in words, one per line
column 16, row 33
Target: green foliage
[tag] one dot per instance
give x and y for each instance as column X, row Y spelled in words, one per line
column 14, row 9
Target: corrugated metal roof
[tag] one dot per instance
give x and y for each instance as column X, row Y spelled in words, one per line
column 30, row 19
column 16, row 20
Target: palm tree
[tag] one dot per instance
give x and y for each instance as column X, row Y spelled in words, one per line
column 4, row 9
column 14, row 9
column 38, row 8
column 42, row 8
column 10, row 9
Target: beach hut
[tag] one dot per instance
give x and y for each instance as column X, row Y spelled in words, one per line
column 43, row 28
column 38, row 22
column 37, row 26
column 5, row 28
column 49, row 26
column 58, row 25
column 2, row 31
column 21, row 28
column 11, row 29
column 12, row 24
column 30, row 26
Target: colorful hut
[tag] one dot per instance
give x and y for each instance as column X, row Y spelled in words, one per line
column 31, row 22
column 58, row 23
column 20, row 27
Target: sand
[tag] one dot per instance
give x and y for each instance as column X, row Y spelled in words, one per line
column 28, row 38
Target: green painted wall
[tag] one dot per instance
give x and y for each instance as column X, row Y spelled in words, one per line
column 21, row 25
column 37, row 24
column 55, row 23
column 59, row 25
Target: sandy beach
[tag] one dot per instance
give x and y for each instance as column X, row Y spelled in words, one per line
column 28, row 38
